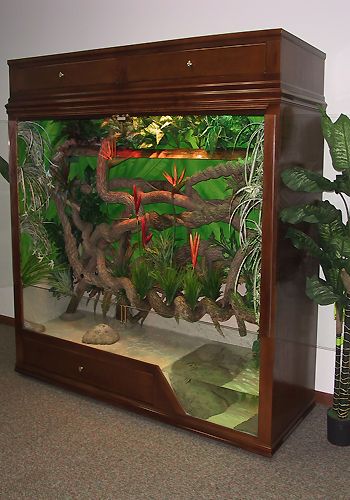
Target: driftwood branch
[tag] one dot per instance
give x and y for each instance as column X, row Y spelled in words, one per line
column 91, row 268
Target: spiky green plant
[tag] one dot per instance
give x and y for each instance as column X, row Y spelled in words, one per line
column 211, row 280
column 169, row 280
column 35, row 268
column 61, row 283
column 34, row 177
column 330, row 246
column 160, row 252
column 192, row 287
column 250, row 197
column 141, row 277
column 35, row 183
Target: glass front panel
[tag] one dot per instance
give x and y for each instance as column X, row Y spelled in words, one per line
column 142, row 236
column 6, row 281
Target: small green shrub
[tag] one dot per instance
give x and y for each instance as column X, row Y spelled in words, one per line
column 141, row 277
column 192, row 287
column 170, row 281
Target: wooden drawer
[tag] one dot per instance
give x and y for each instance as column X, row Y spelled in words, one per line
column 63, row 75
column 236, row 62
column 122, row 376
column 231, row 63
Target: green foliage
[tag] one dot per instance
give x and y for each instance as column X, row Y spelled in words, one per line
column 248, row 208
column 4, row 169
column 83, row 130
column 303, row 241
column 61, row 282
column 195, row 132
column 337, row 135
column 298, row 179
column 256, row 352
column 329, row 245
column 211, row 281
column 318, row 290
column 161, row 249
column 228, row 241
column 54, row 232
column 192, row 287
column 34, row 268
column 320, row 212
column 141, row 277
column 170, row 281
column 91, row 209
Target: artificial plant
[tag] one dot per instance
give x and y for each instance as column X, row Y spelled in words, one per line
column 329, row 245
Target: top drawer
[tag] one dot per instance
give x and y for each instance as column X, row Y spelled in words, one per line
column 62, row 75
column 236, row 62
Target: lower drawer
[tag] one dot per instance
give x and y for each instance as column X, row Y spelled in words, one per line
column 122, row 376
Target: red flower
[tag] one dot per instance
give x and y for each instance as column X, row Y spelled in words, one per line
column 146, row 238
column 173, row 180
column 194, row 246
column 137, row 199
column 108, row 149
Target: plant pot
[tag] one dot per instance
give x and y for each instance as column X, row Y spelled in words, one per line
column 338, row 429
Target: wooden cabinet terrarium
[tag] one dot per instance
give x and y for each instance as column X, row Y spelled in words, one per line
column 150, row 266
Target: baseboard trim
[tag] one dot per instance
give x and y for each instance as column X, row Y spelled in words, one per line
column 7, row 320
column 323, row 398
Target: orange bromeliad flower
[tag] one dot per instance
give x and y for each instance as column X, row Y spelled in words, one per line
column 108, row 149
column 194, row 246
column 173, row 179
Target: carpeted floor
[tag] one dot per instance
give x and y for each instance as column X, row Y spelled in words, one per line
column 58, row 445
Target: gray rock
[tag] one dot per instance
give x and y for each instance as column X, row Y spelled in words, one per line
column 101, row 334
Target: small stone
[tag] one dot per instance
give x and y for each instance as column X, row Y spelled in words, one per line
column 37, row 327
column 101, row 334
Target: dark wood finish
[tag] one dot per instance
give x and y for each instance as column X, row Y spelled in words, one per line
column 7, row 320
column 242, row 71
column 269, row 72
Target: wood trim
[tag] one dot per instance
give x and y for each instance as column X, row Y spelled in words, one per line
column 7, row 320
column 153, row 78
column 323, row 398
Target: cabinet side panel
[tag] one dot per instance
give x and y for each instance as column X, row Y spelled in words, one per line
column 295, row 80
column 301, row 144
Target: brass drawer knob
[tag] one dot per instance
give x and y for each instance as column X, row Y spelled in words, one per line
column 60, row 74
column 189, row 63
column 80, row 369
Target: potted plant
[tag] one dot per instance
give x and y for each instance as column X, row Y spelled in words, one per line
column 330, row 245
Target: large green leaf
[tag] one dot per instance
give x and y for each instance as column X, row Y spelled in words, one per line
column 320, row 212
column 342, row 184
column 337, row 135
column 320, row 291
column 304, row 242
column 299, row 179
column 327, row 126
column 4, row 169
column 331, row 231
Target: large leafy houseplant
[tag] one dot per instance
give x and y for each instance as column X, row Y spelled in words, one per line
column 330, row 246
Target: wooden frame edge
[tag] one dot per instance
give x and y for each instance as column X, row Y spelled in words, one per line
column 7, row 320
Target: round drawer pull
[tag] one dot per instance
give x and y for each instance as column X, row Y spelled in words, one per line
column 189, row 63
column 60, row 74
column 80, row 369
